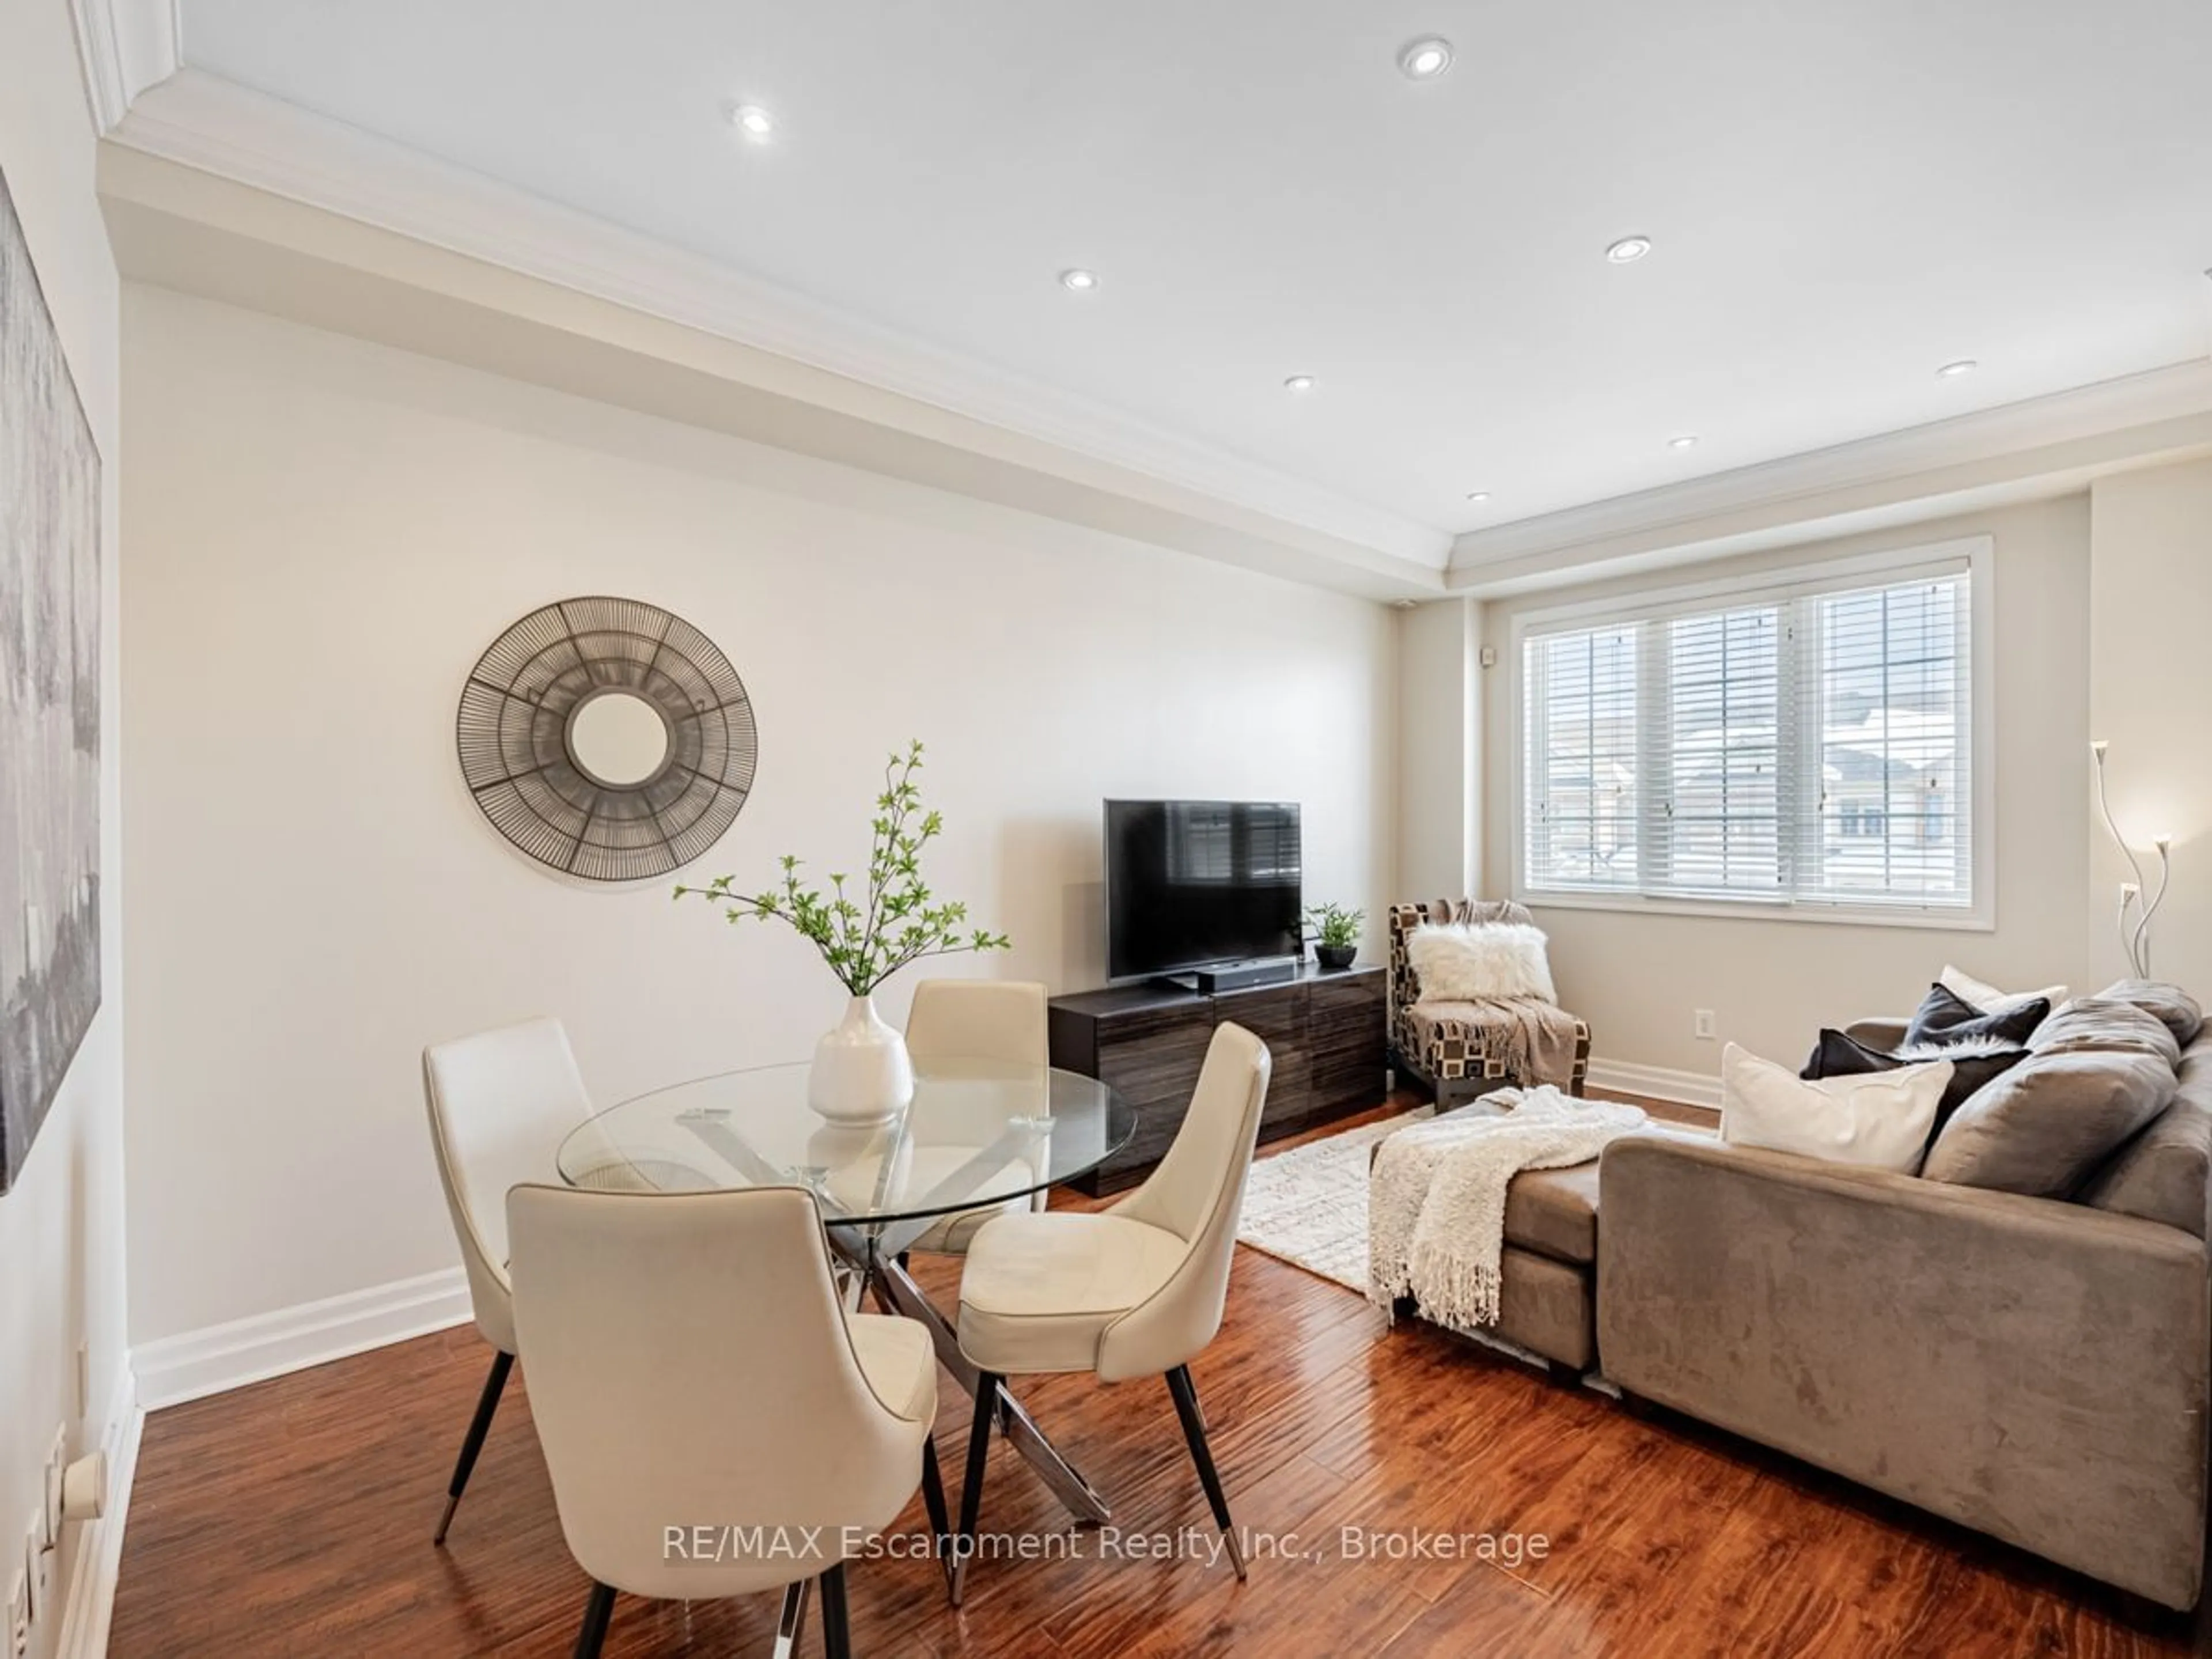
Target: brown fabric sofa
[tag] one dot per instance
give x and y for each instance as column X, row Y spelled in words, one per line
column 2033, row 1367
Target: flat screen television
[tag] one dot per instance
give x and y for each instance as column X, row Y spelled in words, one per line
column 1190, row 883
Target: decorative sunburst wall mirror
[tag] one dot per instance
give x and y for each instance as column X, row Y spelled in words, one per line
column 607, row 738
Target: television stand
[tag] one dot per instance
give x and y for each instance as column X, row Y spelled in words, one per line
column 1325, row 1031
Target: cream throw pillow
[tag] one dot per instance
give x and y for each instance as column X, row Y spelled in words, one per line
column 1879, row 1119
column 1987, row 997
column 1476, row 962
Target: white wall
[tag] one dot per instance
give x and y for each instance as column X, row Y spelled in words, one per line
column 1440, row 745
column 1771, row 985
column 322, row 537
column 61, row 1228
column 2151, row 698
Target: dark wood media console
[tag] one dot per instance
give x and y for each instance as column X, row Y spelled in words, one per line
column 1326, row 1032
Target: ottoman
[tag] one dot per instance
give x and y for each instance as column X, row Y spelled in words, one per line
column 1548, row 1274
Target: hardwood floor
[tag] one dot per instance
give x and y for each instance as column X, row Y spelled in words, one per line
column 295, row 1517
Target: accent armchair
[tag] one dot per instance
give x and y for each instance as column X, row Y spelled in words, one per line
column 1459, row 1050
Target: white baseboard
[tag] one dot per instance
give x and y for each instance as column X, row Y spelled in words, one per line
column 200, row 1363
column 90, row 1603
column 1657, row 1082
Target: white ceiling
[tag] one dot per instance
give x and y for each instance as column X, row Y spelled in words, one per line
column 1843, row 197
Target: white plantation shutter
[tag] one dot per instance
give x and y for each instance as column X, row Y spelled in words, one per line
column 1889, row 673
column 1810, row 746
column 1581, row 699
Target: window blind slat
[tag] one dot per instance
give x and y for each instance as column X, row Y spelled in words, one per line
column 1812, row 749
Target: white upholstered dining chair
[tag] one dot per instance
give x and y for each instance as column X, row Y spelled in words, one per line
column 690, row 1367
column 1137, row 1289
column 500, row 1105
column 976, row 1020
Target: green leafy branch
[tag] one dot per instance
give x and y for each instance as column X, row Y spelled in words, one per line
column 901, row 921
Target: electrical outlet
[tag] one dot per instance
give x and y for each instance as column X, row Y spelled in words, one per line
column 57, row 1461
column 1706, row 1028
column 36, row 1582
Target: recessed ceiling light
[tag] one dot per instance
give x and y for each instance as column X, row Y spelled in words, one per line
column 1299, row 383
column 753, row 121
column 1478, row 495
column 1628, row 250
column 1079, row 281
column 1687, row 440
column 1425, row 58
column 1953, row 371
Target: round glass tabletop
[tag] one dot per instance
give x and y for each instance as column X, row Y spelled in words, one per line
column 977, row 1133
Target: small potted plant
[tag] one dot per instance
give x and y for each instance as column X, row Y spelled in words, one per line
column 861, row 1072
column 1336, row 935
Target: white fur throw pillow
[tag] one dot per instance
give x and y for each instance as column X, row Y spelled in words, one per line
column 1879, row 1119
column 1478, row 961
column 1987, row 997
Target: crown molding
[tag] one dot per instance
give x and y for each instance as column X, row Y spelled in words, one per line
column 2040, row 447
column 216, row 126
column 124, row 47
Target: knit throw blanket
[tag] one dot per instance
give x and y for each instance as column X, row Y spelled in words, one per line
column 1436, row 1195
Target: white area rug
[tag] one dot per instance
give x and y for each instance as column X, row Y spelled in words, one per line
column 1308, row 1205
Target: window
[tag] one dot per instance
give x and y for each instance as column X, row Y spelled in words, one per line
column 1809, row 742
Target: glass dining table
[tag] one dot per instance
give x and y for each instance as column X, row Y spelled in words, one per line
column 977, row 1134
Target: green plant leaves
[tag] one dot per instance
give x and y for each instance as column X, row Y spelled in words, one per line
column 865, row 945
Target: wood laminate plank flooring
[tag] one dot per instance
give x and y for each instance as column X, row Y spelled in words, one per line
column 294, row 1517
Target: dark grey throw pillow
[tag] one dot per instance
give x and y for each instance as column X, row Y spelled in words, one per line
column 1974, row 1062
column 1945, row 1016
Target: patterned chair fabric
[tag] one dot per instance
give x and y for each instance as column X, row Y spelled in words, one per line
column 1453, row 1056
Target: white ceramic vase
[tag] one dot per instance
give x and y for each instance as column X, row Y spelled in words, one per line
column 862, row 1073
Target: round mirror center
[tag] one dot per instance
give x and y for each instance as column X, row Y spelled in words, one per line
column 617, row 739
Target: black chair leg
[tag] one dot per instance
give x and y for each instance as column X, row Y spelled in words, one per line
column 971, row 1490
column 1193, row 1430
column 597, row 1612
column 932, row 1497
column 836, row 1630
column 792, row 1619
column 487, row 1403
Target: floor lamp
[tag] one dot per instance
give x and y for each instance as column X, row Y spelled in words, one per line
column 2133, row 941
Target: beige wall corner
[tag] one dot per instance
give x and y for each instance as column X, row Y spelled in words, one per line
column 1440, row 743
column 62, row 1226
column 2150, row 599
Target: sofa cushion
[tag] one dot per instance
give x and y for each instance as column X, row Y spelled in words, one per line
column 1554, row 1212
column 2041, row 1127
column 1944, row 1015
column 2164, row 1174
column 2099, row 1025
column 2178, row 1011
